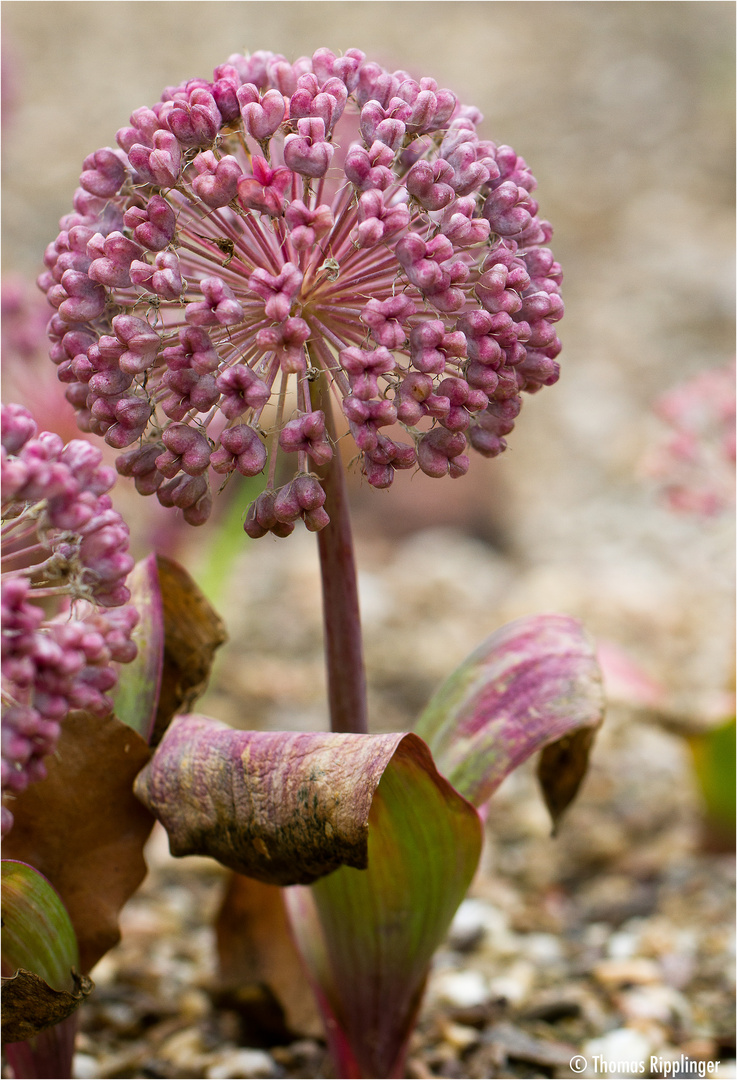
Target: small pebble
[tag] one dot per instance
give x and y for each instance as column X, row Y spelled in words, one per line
column 542, row 948
column 184, row 1048
column 461, row 989
column 635, row 970
column 241, row 1062
column 620, row 1045
column 515, row 984
column 474, row 921
column 654, row 1002
column 460, row 1036
column 85, row 1067
column 622, row 946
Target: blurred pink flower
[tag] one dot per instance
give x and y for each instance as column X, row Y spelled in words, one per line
column 696, row 461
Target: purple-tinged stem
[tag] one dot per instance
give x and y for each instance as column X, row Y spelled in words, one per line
column 341, row 617
column 50, row 1054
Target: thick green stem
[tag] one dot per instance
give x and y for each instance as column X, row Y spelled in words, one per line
column 341, row 617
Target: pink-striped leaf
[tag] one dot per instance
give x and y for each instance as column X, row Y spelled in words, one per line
column 533, row 685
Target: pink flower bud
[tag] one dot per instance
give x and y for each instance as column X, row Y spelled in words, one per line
column 189, row 390
column 104, row 173
column 506, row 209
column 428, row 184
column 217, row 182
column 287, row 341
column 240, row 448
column 460, row 225
column 195, row 122
column 265, row 189
column 85, row 299
column 388, row 320
column 113, row 267
column 195, row 350
column 141, row 341
column 261, row 117
column 261, row 518
column 191, row 494
column 306, row 226
column 161, row 164
column 278, row 291
column 219, row 307
column 186, row 449
column 307, row 432
column 17, row 428
column 241, row 389
column 364, row 366
column 153, row 226
column 437, row 449
column 307, row 152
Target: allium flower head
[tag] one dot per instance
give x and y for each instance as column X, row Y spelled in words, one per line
column 285, row 220
column 64, row 602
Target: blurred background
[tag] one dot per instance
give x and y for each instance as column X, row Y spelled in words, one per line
column 625, row 114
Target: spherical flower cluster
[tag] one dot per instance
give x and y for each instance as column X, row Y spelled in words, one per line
column 696, row 461
column 287, row 222
column 64, row 602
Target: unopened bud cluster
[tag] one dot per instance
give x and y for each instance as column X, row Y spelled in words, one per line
column 65, row 616
column 286, row 222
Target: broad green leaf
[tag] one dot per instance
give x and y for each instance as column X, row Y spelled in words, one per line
column 41, row 986
column 136, row 696
column 37, row 932
column 713, row 753
column 533, row 684
column 367, row 937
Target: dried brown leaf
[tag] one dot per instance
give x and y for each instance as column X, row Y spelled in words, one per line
column 192, row 632
column 258, row 964
column 30, row 1005
column 561, row 769
column 83, row 828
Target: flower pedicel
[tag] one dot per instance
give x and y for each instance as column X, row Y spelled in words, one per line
column 286, row 223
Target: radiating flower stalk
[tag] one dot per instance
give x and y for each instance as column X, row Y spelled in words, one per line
column 65, row 615
column 282, row 232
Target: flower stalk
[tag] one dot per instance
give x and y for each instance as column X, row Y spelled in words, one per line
column 341, row 616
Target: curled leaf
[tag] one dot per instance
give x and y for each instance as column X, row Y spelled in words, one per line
column 30, row 1005
column 282, row 807
column 534, row 683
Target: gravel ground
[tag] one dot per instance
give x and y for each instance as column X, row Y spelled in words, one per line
column 615, row 940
